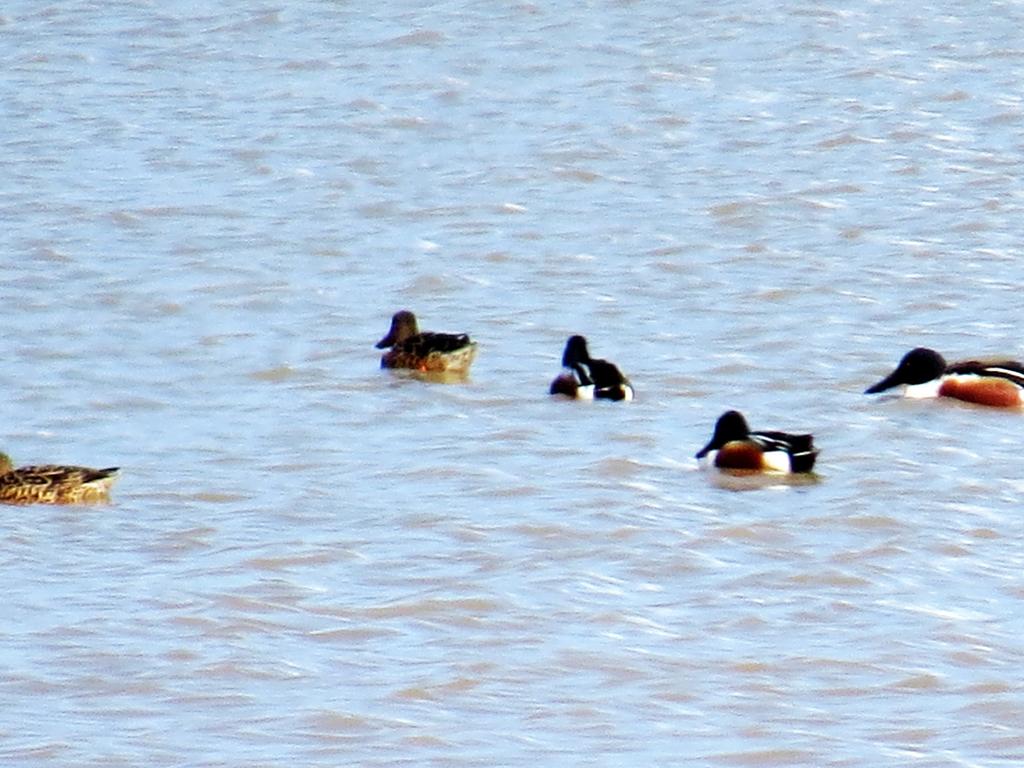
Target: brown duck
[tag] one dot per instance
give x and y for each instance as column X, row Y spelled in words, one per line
column 54, row 483
column 426, row 352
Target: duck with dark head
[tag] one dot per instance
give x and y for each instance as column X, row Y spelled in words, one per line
column 586, row 378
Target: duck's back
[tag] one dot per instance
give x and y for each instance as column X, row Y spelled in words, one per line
column 56, row 484
column 437, row 352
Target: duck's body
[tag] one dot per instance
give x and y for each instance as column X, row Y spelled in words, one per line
column 735, row 447
column 924, row 373
column 426, row 352
column 54, row 483
column 587, row 378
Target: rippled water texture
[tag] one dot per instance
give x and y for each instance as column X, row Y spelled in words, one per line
column 210, row 214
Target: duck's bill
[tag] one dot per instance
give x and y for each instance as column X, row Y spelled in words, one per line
column 888, row 382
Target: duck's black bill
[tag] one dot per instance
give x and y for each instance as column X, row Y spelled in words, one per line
column 888, row 382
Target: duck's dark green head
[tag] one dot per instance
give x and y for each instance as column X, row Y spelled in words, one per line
column 575, row 352
column 730, row 426
column 918, row 366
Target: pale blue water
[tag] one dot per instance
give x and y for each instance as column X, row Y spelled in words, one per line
column 209, row 216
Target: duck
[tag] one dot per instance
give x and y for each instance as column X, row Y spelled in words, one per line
column 733, row 446
column 924, row 373
column 588, row 378
column 54, row 483
column 426, row 352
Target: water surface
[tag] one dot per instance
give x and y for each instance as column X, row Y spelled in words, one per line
column 209, row 216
